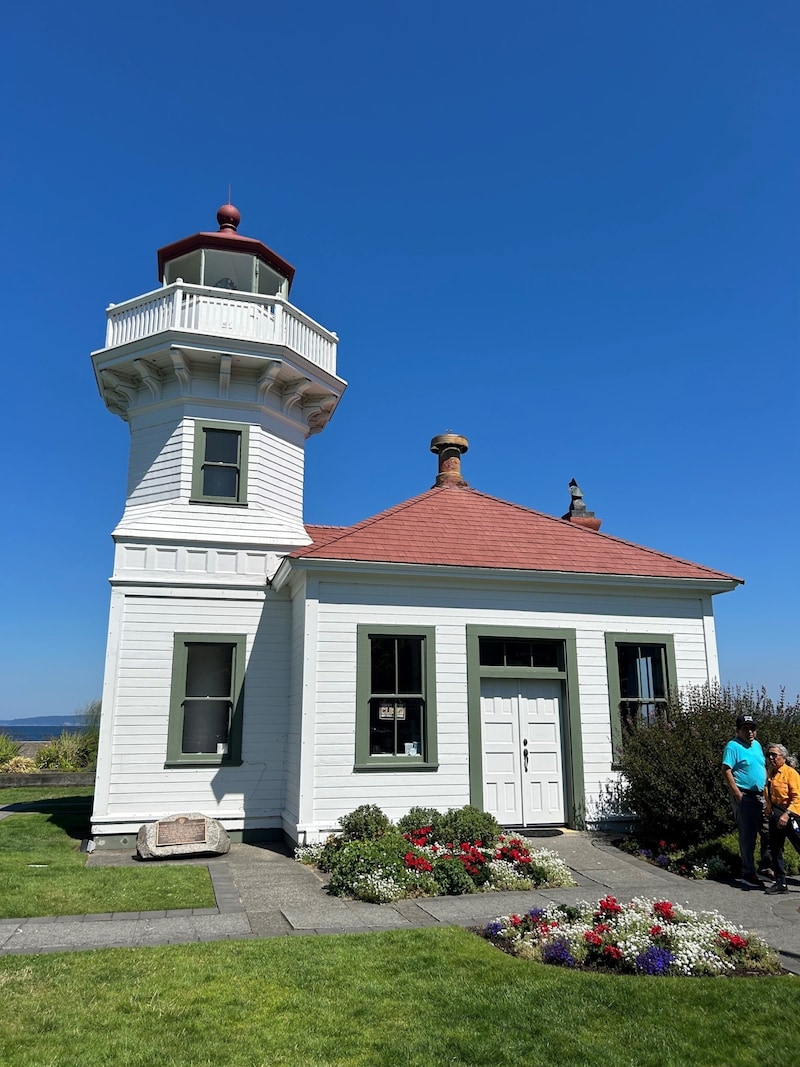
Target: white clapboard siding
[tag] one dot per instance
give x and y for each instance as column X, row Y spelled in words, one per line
column 140, row 787
column 450, row 608
column 160, row 473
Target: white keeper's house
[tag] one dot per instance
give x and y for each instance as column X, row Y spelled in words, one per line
column 454, row 649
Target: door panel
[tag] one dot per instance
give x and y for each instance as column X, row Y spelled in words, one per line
column 515, row 711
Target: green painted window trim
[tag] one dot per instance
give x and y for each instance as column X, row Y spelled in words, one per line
column 614, row 690
column 199, row 455
column 429, row 759
column 233, row 757
column 571, row 735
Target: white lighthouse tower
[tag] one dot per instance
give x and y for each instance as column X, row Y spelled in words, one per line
column 221, row 380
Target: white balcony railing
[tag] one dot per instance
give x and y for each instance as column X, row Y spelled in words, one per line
column 203, row 310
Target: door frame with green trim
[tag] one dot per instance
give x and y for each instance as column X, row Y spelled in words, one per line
column 571, row 737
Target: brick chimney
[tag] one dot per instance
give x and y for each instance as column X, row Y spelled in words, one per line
column 449, row 447
column 577, row 509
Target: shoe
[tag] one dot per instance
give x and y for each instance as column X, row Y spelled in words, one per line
column 753, row 879
column 778, row 888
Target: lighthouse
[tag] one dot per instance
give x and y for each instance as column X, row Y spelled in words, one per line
column 221, row 380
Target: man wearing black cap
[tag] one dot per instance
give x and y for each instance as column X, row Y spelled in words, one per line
column 745, row 774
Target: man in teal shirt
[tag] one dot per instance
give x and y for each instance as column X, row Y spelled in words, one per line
column 745, row 773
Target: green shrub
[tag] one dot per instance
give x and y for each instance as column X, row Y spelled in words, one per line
column 356, row 860
column 451, row 877
column 9, row 748
column 672, row 769
column 367, row 823
column 68, row 752
column 465, row 824
column 418, row 817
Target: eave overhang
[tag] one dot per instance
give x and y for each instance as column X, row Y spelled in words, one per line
column 626, row 582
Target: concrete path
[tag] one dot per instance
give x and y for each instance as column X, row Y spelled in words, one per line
column 262, row 892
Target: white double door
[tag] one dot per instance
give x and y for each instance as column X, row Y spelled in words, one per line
column 523, row 781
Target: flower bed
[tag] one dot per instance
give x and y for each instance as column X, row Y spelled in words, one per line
column 419, row 859
column 653, row 937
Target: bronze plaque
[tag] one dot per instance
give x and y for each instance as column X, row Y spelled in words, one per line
column 181, row 832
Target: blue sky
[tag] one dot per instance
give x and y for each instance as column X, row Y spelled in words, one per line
column 567, row 231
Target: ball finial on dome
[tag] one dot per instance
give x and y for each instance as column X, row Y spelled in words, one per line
column 228, row 217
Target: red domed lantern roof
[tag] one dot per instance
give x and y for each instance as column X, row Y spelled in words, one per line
column 226, row 239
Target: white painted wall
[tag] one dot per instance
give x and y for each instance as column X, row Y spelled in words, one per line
column 133, row 784
column 160, row 480
column 450, row 608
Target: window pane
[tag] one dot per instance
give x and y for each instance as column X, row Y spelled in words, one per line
column 652, row 672
column 383, row 665
column 221, row 481
column 209, row 670
column 492, row 652
column 409, row 730
column 641, row 671
column 381, row 727
column 395, row 724
column 229, row 270
column 518, row 652
column 628, row 657
column 546, row 653
column 222, row 446
column 205, row 725
column 409, row 664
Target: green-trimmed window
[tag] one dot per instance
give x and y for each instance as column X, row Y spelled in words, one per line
column 396, row 705
column 205, row 724
column 219, row 469
column 641, row 673
column 521, row 652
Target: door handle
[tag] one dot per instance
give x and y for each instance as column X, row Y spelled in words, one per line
column 525, row 757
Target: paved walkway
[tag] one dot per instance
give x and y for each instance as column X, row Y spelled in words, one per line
column 262, row 892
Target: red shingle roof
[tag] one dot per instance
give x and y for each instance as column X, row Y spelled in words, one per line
column 462, row 527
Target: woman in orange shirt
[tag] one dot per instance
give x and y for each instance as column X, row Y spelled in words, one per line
column 783, row 806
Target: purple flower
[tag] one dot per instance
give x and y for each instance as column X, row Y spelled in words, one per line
column 662, row 860
column 558, row 952
column 495, row 928
column 536, row 914
column 646, row 853
column 655, row 961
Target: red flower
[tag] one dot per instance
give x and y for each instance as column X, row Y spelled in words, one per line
column 734, row 940
column 592, row 937
column 610, row 906
column 664, row 910
column 613, row 952
column 656, row 931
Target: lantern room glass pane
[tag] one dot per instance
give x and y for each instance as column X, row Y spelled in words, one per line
column 189, row 268
column 229, row 270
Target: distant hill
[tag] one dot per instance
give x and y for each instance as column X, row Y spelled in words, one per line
column 39, row 728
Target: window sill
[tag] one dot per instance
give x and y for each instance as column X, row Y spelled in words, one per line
column 218, row 503
column 196, row 761
column 393, row 764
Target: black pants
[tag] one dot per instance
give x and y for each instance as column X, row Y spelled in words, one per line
column 777, row 839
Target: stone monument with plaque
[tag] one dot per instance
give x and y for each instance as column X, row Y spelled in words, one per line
column 193, row 834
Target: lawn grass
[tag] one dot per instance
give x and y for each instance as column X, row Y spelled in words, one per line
column 34, row 794
column 421, row 997
column 43, row 872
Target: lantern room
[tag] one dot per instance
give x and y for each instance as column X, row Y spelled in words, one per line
column 224, row 259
